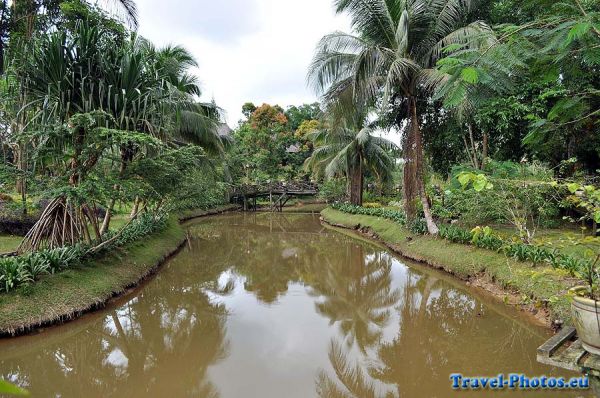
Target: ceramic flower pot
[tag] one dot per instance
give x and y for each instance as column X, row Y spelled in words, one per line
column 586, row 319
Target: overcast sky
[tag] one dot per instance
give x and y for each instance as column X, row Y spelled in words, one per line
column 247, row 50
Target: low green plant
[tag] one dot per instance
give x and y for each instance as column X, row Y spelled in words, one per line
column 11, row 274
column 61, row 258
column 35, row 265
column 390, row 214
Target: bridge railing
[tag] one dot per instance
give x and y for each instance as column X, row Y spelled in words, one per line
column 276, row 187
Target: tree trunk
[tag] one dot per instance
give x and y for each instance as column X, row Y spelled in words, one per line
column 419, row 175
column 471, row 159
column 126, row 157
column 136, row 207
column 485, row 150
column 409, row 185
column 473, row 147
column 356, row 183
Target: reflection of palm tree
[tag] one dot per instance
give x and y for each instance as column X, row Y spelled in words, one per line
column 354, row 383
column 441, row 333
column 358, row 295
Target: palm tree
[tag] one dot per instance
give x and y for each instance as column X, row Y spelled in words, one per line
column 113, row 95
column 387, row 62
column 348, row 147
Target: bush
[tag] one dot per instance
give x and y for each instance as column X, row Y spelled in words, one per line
column 372, row 205
column 35, row 265
column 12, row 274
column 389, row 214
column 333, row 190
column 13, row 222
column 61, row 258
column 526, row 204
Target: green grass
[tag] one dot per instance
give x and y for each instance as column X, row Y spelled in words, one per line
column 539, row 285
column 65, row 295
column 9, row 243
column 119, row 221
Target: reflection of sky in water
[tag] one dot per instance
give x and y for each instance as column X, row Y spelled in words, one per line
column 220, row 322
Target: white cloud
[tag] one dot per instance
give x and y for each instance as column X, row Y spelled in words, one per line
column 248, row 50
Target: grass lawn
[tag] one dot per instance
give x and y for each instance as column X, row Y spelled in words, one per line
column 538, row 286
column 9, row 243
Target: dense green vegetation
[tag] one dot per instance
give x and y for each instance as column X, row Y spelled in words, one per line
column 497, row 103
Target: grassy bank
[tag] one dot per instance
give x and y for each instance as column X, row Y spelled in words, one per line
column 540, row 289
column 68, row 294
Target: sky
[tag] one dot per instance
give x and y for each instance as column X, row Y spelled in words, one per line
column 247, row 50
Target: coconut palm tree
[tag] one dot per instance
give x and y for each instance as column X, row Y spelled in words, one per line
column 347, row 146
column 387, row 61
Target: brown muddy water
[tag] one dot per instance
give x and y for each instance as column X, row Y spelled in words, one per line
column 278, row 306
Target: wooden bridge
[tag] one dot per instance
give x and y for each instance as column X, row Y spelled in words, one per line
column 278, row 193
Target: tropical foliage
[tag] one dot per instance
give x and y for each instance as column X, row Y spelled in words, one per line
column 94, row 115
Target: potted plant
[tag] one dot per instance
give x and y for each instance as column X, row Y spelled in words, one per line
column 585, row 307
column 585, row 304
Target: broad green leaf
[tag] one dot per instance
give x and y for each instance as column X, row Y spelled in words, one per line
column 480, row 183
column 11, row 389
column 464, row 179
column 597, row 216
column 470, row 75
column 573, row 187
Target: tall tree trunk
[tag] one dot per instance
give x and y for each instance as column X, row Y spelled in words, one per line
column 126, row 157
column 476, row 163
column 419, row 176
column 486, row 148
column 409, row 185
column 356, row 183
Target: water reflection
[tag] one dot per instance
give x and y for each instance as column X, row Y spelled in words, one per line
column 273, row 306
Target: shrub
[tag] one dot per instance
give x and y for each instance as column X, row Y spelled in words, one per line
column 372, row 205
column 389, row 214
column 34, row 264
column 333, row 190
column 61, row 258
column 12, row 274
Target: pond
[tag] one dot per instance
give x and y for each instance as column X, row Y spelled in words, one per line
column 271, row 305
